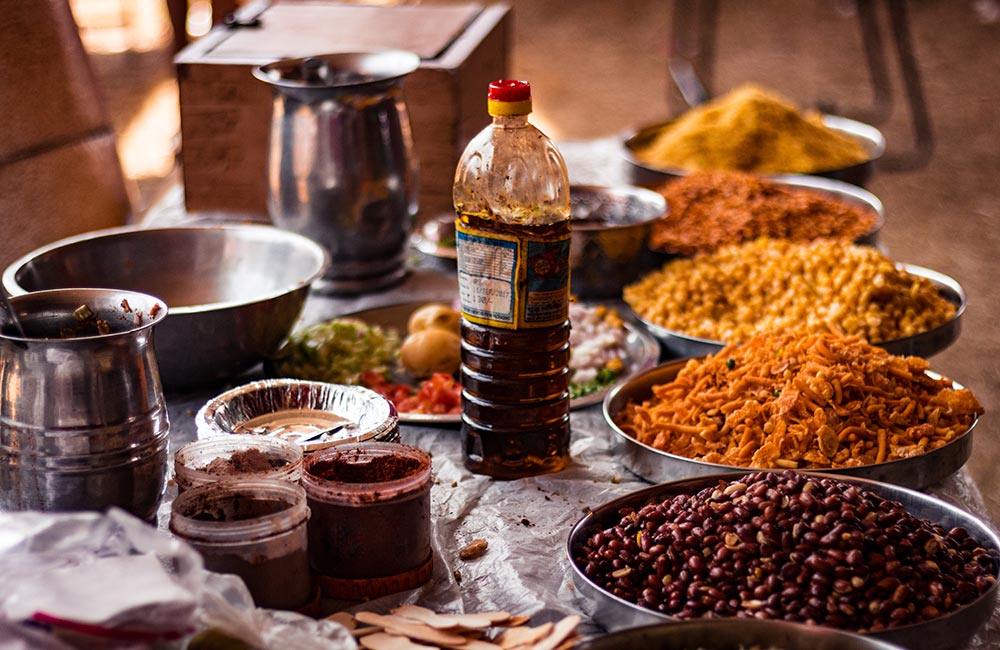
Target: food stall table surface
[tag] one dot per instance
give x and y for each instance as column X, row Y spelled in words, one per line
column 526, row 522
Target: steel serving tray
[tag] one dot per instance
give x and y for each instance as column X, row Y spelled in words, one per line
column 925, row 344
column 642, row 349
column 947, row 632
column 654, row 465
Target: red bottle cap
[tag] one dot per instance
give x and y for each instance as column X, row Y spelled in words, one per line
column 510, row 90
column 509, row 97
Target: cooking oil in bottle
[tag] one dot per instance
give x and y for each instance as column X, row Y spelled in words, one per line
column 511, row 194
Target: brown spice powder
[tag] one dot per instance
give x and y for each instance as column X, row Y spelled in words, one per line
column 713, row 209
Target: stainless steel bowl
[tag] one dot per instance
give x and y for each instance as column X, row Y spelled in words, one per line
column 646, row 175
column 234, row 291
column 312, row 406
column 947, row 632
column 610, row 232
column 924, row 344
column 733, row 634
column 656, row 465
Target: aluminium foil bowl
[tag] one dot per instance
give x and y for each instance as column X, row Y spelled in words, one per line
column 313, row 405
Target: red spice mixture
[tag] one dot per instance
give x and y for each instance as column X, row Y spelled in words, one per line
column 712, row 209
column 245, row 461
column 346, row 468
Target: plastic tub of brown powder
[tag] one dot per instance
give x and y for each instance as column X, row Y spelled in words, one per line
column 236, row 457
column 255, row 529
column 369, row 534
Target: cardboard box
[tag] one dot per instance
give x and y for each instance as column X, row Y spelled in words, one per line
column 226, row 113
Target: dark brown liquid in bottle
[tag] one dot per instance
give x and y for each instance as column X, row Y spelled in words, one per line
column 515, row 388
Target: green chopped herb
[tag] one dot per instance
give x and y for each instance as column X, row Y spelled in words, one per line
column 337, row 351
column 605, row 377
column 730, row 363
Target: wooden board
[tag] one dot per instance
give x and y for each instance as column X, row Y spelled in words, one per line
column 226, row 113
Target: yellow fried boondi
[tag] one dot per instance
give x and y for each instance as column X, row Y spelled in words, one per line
column 773, row 284
column 802, row 401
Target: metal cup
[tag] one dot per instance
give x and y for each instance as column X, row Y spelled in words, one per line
column 341, row 167
column 83, row 422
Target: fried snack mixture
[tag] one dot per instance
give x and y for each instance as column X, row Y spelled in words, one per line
column 751, row 129
column 802, row 401
column 773, row 284
column 712, row 209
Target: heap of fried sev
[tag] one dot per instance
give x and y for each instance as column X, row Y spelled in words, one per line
column 773, row 284
column 801, row 401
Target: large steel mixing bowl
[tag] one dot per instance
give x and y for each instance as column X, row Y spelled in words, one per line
column 234, row 291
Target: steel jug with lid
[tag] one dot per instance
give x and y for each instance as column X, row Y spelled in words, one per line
column 83, row 421
column 341, row 167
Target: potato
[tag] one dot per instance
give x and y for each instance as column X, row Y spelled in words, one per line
column 434, row 316
column 431, row 350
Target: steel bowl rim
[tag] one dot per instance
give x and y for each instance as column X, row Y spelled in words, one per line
column 870, row 642
column 871, row 138
column 15, row 289
column 649, row 197
column 407, row 62
column 591, row 520
column 949, row 283
column 718, row 467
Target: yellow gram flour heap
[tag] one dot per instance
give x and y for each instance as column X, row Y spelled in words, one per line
column 750, row 129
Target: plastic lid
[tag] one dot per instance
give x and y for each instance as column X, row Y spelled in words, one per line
column 509, row 97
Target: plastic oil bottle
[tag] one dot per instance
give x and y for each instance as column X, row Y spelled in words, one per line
column 511, row 194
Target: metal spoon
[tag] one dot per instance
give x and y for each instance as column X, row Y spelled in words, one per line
column 11, row 314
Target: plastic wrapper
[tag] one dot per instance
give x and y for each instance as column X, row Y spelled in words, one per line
column 89, row 580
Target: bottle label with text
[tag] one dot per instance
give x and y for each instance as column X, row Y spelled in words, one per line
column 511, row 282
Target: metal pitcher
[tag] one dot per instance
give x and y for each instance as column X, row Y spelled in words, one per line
column 83, row 422
column 341, row 167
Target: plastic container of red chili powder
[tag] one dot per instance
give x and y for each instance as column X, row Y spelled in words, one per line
column 370, row 530
column 236, row 457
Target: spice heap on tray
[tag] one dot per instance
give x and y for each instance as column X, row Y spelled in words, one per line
column 788, row 546
column 773, row 284
column 802, row 401
column 709, row 209
column 751, row 129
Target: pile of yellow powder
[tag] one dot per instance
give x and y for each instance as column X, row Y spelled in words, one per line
column 751, row 129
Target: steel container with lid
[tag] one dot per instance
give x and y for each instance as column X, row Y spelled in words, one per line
column 341, row 167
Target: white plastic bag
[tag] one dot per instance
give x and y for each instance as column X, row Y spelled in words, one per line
column 82, row 580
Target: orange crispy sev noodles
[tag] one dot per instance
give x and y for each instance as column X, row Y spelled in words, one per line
column 802, row 401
